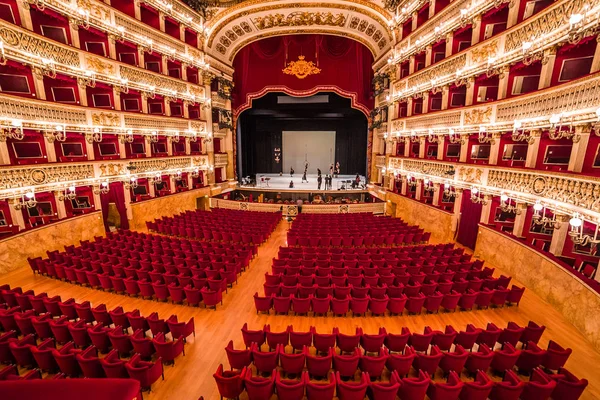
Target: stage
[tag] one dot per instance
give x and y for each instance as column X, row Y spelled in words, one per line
column 282, row 183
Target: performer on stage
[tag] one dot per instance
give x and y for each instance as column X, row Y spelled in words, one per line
column 304, row 177
column 337, row 169
column 292, row 172
column 319, row 181
column 291, row 184
column 331, row 169
column 318, row 171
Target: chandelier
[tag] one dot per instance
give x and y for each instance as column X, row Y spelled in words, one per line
column 576, row 232
column 508, row 205
column 14, row 131
column 539, row 216
column 477, row 197
column 103, row 188
column 67, row 194
column 27, row 201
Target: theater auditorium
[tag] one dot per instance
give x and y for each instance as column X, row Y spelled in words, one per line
column 320, row 200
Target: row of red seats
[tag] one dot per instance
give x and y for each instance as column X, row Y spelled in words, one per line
column 427, row 250
column 394, row 305
column 376, row 238
column 369, row 366
column 83, row 331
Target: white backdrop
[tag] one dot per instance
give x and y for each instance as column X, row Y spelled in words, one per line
column 318, row 146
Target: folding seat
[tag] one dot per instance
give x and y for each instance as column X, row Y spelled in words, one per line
column 347, row 343
column 531, row 357
column 89, row 363
column 505, row 358
column 60, row 330
column 113, row 366
column 511, row 334
column 291, row 363
column 275, row 338
column 23, row 322
column 421, row 342
column 489, row 335
column 468, row 337
column 78, row 331
column 568, row 386
column 105, row 281
column 264, row 361
column 467, row 300
column 41, row 325
column 428, row 362
column 540, row 386
column 396, row 304
column 212, row 298
column 323, row 341
column 282, row 304
column 556, row 356
column 374, row 365
column 339, row 306
column 346, row 365
column 532, row 333
column 300, row 305
column 515, row 295
column 414, row 388
column 51, row 305
column 479, row 389
column 141, row 344
column 99, row 337
column 450, row 390
column 118, row 317
column 444, row 340
column 253, row 336
column 181, row 329
column 145, row 372
column 359, row 306
column 510, row 388
column 168, row 351
column 350, row 390
column 290, row 389
column 414, row 305
column 65, row 360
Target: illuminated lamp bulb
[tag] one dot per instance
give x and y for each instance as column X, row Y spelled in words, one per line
column 538, row 206
column 503, row 197
column 474, row 191
column 576, row 222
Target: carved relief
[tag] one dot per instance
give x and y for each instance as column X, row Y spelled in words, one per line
column 99, row 66
column 112, row 169
column 485, row 52
column 12, row 178
column 443, row 68
column 478, row 116
column 469, row 175
column 149, row 79
column 299, row 18
column 106, row 119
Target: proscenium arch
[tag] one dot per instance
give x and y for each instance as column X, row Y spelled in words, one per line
column 238, row 26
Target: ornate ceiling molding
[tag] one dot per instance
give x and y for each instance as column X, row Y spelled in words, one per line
column 237, row 26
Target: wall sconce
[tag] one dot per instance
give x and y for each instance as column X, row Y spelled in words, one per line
column 477, row 197
column 84, row 18
column 27, row 201
column 157, row 178
column 410, row 182
column 124, row 85
column 208, row 138
column 59, row 134
column 556, row 132
column 520, row 135
column 576, row 233
column 529, row 54
column 95, row 136
column 68, row 194
column 195, row 173
column 413, row 137
column 3, row 59
column 454, row 138
column 539, row 216
column 484, row 136
column 49, row 68
column 597, row 124
column 431, row 137
column 128, row 137
column 427, row 186
column 508, row 205
column 175, row 138
column 152, row 137
column 103, row 188
column 449, row 190
column 121, row 30
column 14, row 131
column 132, row 183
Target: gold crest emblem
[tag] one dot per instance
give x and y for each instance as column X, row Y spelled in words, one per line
column 301, row 68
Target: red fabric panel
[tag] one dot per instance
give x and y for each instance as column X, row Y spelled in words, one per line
column 470, row 213
column 345, row 69
column 71, row 389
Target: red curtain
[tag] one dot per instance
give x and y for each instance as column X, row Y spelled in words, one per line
column 116, row 195
column 345, row 68
column 470, row 214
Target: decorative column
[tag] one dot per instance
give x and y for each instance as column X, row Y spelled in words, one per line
column 122, row 151
column 97, row 201
column 141, row 56
column 74, row 30
column 495, row 148
column 61, row 210
column 409, row 107
column 148, row 148
column 404, row 187
column 170, row 146
column 89, row 149
column 559, row 235
column 172, row 184
column 167, row 101
column 188, row 146
column 16, row 215
column 440, row 151
column 548, row 61
column 476, row 32
column 437, row 194
column 137, row 10
column 445, row 95
column 415, row 18
column 533, row 148
column 38, row 82
column 596, row 64
column 184, row 74
column 112, row 47
column 428, row 56
column 127, row 198
column 164, row 65
column 503, row 83
column 457, row 206
column 190, row 181
column 419, row 191
column 407, row 143
column 520, row 219
column 486, row 210
column 151, row 188
column 117, row 98
column 4, row 155
column 470, row 92
column 161, row 21
column 431, row 9
column 208, row 147
column 24, row 9
column 449, row 43
column 82, row 89
column 422, row 142
column 144, row 96
column 513, row 14
column 580, row 144
column 411, row 65
column 464, row 147
column 182, row 32
column 425, row 103
column 49, row 144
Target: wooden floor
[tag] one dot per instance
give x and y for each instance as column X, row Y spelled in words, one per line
column 192, row 375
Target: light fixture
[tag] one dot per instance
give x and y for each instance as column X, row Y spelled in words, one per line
column 157, row 178
column 58, row 134
column 132, row 183
column 195, row 173
column 410, row 182
column 208, row 138
column 577, row 223
column 48, row 68
column 413, row 137
column 455, row 138
column 67, row 194
column 84, row 18
column 477, row 197
column 95, row 136
column 529, row 54
column 428, row 186
column 576, row 22
column 13, row 131
column 102, row 188
column 539, row 216
column 3, row 59
column 432, row 137
column 128, row 137
column 597, row 124
column 152, row 137
column 521, row 135
column 449, row 191
column 27, row 201
column 508, row 205
column 556, row 131
column 484, row 136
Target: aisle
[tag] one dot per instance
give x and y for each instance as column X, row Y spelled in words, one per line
column 192, row 374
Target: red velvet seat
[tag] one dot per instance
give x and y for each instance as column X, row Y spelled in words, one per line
column 99, row 337
column 290, row 389
column 180, row 329
column 168, row 350
column 264, row 361
column 532, row 333
column 21, row 351
column 348, row 390
column 157, row 324
column 145, row 372
column 212, row 298
column 113, row 366
column 320, row 391
column 568, row 386
column 318, row 366
column 449, row 390
column 539, row 387
column 515, row 295
column 259, row 388
column 142, row 345
column 556, row 356
column 489, row 335
column 414, row 388
column 65, row 359
column 428, row 362
column 401, row 363
column 43, row 357
column 454, row 361
column 253, row 336
column 421, row 342
column 480, row 360
column 120, row 342
column 530, row 358
column 505, row 358
column 396, row 342
column 479, row 389
column 374, row 365
column 511, row 334
column 346, row 365
column 89, row 363
column 510, row 388
column 444, row 340
column 468, row 338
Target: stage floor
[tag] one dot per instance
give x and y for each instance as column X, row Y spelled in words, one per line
column 282, row 183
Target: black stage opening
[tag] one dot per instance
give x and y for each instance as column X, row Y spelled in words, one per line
column 260, row 132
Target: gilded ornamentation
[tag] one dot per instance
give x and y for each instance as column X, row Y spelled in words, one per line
column 38, row 176
column 112, row 169
column 41, row 111
column 106, row 119
column 485, row 52
column 469, row 175
column 441, row 69
column 99, row 66
column 161, row 165
column 26, row 42
column 478, row 116
column 152, row 79
column 244, row 206
column 94, row 9
column 301, row 68
column 299, row 18
column 13, row 178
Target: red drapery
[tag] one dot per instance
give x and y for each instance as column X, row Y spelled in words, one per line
column 115, row 195
column 345, row 69
column 470, row 214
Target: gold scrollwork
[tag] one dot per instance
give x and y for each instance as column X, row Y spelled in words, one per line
column 478, row 116
column 299, row 18
column 301, row 68
column 106, row 119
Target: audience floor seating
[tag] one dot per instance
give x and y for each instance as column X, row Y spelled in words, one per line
column 476, row 363
column 44, row 336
